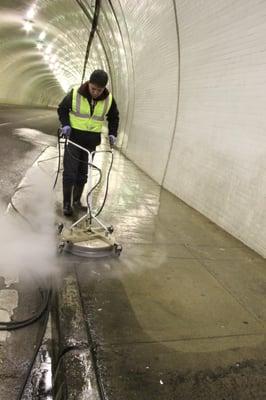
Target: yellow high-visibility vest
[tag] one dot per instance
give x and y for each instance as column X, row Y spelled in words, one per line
column 80, row 116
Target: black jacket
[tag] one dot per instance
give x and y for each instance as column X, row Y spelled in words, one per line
column 66, row 106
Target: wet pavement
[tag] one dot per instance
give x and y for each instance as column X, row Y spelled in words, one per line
column 16, row 154
column 19, row 293
column 181, row 313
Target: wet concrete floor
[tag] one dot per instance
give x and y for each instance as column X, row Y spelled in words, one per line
column 181, row 313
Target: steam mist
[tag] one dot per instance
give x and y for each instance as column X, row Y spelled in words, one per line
column 27, row 239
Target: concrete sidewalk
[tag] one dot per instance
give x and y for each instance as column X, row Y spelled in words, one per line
column 181, row 314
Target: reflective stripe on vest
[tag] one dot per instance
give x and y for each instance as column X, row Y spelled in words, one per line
column 80, row 117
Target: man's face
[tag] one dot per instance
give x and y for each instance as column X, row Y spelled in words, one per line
column 95, row 91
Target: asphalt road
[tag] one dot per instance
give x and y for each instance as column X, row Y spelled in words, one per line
column 17, row 154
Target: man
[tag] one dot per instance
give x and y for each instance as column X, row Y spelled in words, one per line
column 82, row 113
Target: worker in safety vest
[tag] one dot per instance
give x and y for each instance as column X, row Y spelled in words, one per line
column 82, row 113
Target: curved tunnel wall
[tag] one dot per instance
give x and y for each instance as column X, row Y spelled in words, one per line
column 217, row 161
column 189, row 80
column 198, row 125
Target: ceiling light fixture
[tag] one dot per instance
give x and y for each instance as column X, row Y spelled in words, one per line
column 42, row 36
column 31, row 13
column 28, row 26
column 28, row 20
column 49, row 48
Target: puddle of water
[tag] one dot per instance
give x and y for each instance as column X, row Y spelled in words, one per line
column 39, row 386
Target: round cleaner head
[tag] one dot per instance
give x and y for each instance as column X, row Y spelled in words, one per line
column 88, row 249
column 90, row 243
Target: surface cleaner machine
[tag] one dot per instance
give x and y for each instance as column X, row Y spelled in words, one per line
column 88, row 236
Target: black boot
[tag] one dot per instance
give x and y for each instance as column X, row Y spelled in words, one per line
column 77, row 193
column 67, row 193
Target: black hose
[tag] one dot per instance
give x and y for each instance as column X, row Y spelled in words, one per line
column 107, row 187
column 95, row 186
column 43, row 312
column 45, row 316
column 13, row 325
column 59, row 158
column 17, row 211
column 93, row 29
column 92, row 189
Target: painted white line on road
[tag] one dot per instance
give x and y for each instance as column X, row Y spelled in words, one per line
column 33, row 118
column 23, row 120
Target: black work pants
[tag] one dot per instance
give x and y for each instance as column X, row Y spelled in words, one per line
column 76, row 160
column 75, row 166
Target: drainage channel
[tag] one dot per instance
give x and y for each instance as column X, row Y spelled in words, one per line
column 74, row 372
column 39, row 386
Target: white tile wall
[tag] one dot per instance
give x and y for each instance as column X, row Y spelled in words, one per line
column 218, row 158
column 152, row 32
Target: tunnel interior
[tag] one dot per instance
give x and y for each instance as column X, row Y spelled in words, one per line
column 189, row 82
column 181, row 312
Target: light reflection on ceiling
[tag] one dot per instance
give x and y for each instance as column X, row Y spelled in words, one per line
column 43, row 45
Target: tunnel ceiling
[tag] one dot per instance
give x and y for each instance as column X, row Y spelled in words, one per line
column 43, row 45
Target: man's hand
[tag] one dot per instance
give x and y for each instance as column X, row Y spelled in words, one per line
column 112, row 140
column 66, row 131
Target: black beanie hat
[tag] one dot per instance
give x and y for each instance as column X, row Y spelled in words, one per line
column 99, row 78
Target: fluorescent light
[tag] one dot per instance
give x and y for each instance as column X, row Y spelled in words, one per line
column 64, row 84
column 30, row 13
column 27, row 26
column 48, row 49
column 53, row 58
column 42, row 35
